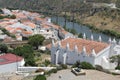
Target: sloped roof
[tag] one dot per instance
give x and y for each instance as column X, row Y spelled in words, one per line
column 9, row 58
column 80, row 43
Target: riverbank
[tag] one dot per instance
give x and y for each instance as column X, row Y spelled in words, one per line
column 96, row 23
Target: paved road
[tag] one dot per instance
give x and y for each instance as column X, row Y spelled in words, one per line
column 90, row 75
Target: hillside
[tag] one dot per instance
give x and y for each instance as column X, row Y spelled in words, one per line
column 101, row 18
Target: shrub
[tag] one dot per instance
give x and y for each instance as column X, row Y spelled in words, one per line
column 59, row 68
column 73, row 31
column 13, row 17
column 40, row 77
column 3, row 48
column 77, row 64
column 54, row 71
column 86, row 65
column 98, row 67
column 80, row 35
column 51, row 71
column 48, row 52
column 39, row 70
column 46, row 63
column 64, row 66
column 118, row 67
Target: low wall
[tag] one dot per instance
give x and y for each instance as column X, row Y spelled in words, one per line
column 31, row 69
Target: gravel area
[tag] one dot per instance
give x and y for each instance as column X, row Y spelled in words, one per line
column 90, row 75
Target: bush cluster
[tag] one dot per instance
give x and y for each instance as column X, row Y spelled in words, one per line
column 51, row 71
column 86, row 65
column 46, row 63
column 7, row 32
column 63, row 66
column 40, row 77
column 39, row 70
column 83, row 65
column 8, row 16
column 118, row 67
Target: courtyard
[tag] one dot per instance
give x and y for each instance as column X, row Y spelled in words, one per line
column 90, row 75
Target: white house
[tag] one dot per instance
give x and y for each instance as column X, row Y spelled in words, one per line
column 70, row 50
column 6, row 11
column 9, row 63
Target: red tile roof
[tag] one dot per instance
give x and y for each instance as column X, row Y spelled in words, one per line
column 64, row 32
column 9, row 58
column 89, row 45
column 30, row 24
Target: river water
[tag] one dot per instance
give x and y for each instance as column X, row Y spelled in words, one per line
column 81, row 29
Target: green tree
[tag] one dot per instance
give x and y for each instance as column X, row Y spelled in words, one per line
column 80, row 35
column 36, row 40
column 73, row 31
column 86, row 65
column 3, row 48
column 40, row 77
column 118, row 3
column 115, row 59
column 77, row 64
column 13, row 17
column 65, row 27
column 26, row 51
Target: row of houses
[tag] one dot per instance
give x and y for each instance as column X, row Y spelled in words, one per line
column 30, row 23
column 24, row 25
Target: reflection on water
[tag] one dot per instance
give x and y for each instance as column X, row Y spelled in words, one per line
column 81, row 29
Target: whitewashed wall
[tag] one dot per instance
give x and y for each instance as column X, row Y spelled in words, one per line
column 72, row 56
column 11, row 67
column 103, row 59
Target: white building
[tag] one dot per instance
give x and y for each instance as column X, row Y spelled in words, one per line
column 3, row 36
column 47, row 31
column 9, row 63
column 70, row 50
column 6, row 11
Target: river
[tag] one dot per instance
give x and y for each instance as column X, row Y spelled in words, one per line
column 81, row 29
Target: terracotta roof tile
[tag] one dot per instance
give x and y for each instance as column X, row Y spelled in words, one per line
column 89, row 45
column 32, row 25
column 9, row 58
column 26, row 32
column 64, row 32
